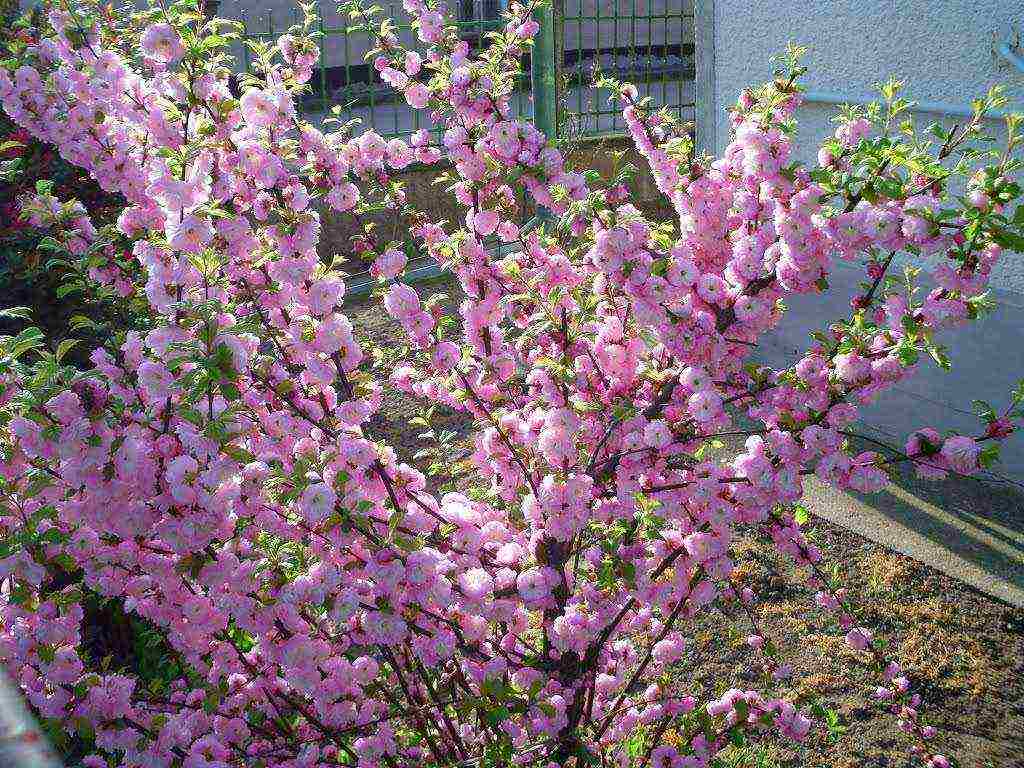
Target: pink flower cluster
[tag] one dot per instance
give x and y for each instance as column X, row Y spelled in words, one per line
column 221, row 474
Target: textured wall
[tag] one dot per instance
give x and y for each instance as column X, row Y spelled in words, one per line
column 943, row 49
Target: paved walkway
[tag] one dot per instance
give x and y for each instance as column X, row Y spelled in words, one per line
column 972, row 530
column 987, row 357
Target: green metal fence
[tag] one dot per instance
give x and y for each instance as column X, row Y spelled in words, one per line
column 648, row 42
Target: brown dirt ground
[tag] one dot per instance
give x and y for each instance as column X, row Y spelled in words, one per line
column 963, row 651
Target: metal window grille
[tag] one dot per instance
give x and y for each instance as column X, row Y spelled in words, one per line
column 649, row 43
column 480, row 10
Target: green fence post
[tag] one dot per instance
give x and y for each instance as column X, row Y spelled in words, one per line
column 543, row 80
column 544, row 85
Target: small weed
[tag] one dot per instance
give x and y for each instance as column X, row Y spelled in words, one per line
column 749, row 756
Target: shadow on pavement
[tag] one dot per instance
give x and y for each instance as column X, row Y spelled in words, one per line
column 971, row 529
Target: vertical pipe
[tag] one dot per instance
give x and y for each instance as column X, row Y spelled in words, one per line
column 615, row 66
column 397, row 102
column 633, row 53
column 1007, row 52
column 599, row 104
column 245, row 41
column 348, row 90
column 581, row 77
column 705, row 111
column 648, row 88
column 371, row 76
column 322, row 43
column 664, row 55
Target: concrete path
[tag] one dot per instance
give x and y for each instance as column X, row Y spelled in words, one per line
column 987, row 358
column 972, row 530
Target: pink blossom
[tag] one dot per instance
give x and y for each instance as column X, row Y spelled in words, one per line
column 227, row 475
column 417, row 95
column 317, row 503
column 476, row 584
column 389, row 264
column 961, row 454
column 859, row 638
column 161, row 43
column 191, row 234
column 259, row 108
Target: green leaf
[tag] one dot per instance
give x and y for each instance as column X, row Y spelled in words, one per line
column 211, row 702
column 64, row 347
column 737, row 738
column 988, row 456
column 1008, row 239
column 985, row 411
column 16, row 313
column 50, row 244
column 742, row 710
column 81, row 322
column 939, row 355
column 394, row 521
column 27, row 340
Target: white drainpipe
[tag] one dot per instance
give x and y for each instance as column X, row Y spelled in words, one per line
column 928, row 107
column 1007, row 52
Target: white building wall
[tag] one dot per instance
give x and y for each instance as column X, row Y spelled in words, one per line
column 945, row 51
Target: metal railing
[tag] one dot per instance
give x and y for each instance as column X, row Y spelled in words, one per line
column 648, row 42
column 345, row 80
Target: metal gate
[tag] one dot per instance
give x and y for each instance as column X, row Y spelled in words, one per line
column 649, row 43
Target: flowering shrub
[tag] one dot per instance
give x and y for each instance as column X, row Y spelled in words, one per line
column 313, row 600
column 35, row 269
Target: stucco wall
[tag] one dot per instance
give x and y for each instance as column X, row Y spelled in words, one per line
column 943, row 49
